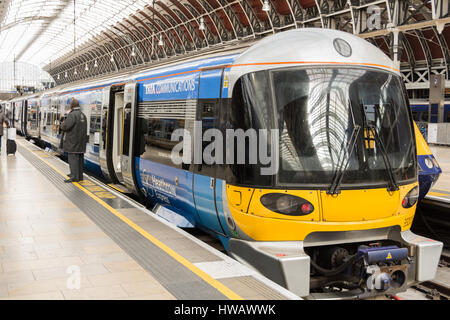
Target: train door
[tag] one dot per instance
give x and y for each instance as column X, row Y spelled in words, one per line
column 204, row 174
column 128, row 118
column 117, row 133
column 103, row 145
column 111, row 141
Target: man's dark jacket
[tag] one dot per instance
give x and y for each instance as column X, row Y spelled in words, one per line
column 75, row 132
column 2, row 120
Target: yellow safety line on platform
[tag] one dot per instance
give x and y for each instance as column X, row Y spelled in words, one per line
column 206, row 277
column 438, row 194
column 116, row 188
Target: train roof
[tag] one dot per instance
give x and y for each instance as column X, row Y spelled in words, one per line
column 308, row 46
column 215, row 57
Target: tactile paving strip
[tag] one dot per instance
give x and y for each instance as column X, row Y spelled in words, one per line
column 177, row 279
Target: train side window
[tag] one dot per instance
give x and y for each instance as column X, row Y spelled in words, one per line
column 208, row 114
column 104, row 125
column 157, row 120
column 49, row 118
column 158, row 139
column 126, row 129
column 415, row 115
column 95, row 118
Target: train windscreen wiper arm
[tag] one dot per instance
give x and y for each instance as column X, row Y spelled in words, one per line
column 393, row 185
column 342, row 167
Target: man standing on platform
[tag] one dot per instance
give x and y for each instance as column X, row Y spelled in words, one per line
column 3, row 120
column 75, row 139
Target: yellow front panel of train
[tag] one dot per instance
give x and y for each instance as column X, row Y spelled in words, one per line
column 359, row 205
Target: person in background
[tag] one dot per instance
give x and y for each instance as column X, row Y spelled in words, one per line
column 74, row 141
column 3, row 121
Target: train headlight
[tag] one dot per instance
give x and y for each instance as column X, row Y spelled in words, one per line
column 436, row 164
column 429, row 163
column 411, row 198
column 287, row 204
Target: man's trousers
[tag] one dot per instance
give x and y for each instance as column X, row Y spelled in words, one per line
column 76, row 161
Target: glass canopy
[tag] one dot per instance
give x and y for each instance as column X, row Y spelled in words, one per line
column 41, row 31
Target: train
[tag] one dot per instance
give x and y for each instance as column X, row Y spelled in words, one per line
column 420, row 110
column 298, row 152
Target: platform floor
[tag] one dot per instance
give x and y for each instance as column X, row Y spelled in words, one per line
column 85, row 241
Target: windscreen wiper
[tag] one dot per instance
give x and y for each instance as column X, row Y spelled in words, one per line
column 393, row 185
column 343, row 163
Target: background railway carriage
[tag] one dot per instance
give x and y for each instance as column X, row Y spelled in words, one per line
column 337, row 213
column 420, row 110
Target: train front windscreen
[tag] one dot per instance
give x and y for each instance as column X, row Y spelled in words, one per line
column 349, row 121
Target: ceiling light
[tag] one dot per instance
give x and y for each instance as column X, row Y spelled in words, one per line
column 75, row 72
column 112, row 58
column 86, row 68
column 266, row 6
column 65, row 75
column 133, row 54
column 58, row 76
column 95, row 64
column 202, row 24
column 160, row 42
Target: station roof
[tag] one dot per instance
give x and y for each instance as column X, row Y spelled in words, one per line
column 40, row 31
column 113, row 35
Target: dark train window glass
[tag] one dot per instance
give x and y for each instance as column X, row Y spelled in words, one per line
column 104, row 125
column 95, row 118
column 157, row 134
column 208, row 114
column 49, row 118
column 126, row 129
column 415, row 115
column 250, row 108
column 317, row 111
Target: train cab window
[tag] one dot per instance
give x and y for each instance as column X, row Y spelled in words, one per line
column 250, row 110
column 319, row 112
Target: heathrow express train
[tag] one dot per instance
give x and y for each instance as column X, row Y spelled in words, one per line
column 316, row 186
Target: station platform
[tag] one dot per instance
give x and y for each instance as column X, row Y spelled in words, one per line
column 87, row 241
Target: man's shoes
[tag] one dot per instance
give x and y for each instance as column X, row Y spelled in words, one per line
column 70, row 180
